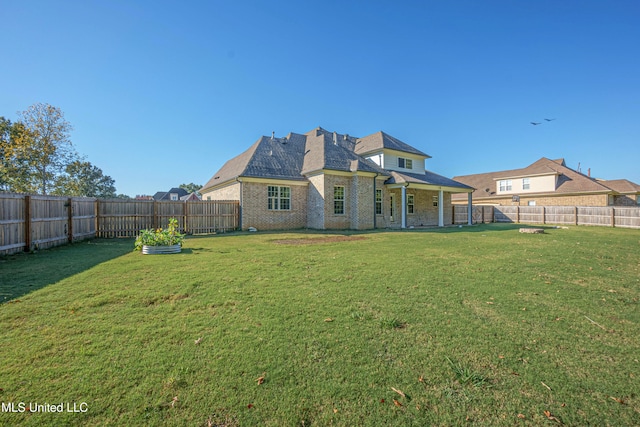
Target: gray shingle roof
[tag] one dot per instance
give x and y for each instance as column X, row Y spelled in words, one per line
column 381, row 140
column 326, row 150
column 428, row 178
column 298, row 155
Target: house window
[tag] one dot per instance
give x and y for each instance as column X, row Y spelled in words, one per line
column 405, row 163
column 173, row 196
column 410, row 200
column 526, row 185
column 338, row 200
column 505, row 185
column 435, row 201
column 378, row 202
column 532, row 203
column 279, row 198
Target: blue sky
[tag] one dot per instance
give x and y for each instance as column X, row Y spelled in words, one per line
column 162, row 93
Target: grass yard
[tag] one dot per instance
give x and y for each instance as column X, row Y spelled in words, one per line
column 474, row 326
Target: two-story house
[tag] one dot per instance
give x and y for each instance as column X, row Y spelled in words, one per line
column 325, row 180
column 548, row 183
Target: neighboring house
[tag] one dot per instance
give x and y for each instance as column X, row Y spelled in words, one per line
column 193, row 197
column 548, row 183
column 174, row 194
column 326, row 180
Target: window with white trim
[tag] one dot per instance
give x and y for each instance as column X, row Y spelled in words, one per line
column 435, row 201
column 338, row 200
column 505, row 185
column 410, row 203
column 279, row 198
column 531, row 203
column 378, row 201
column 405, row 163
column 526, row 185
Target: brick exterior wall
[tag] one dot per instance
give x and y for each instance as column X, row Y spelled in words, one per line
column 424, row 213
column 316, row 202
column 332, row 220
column 577, row 200
column 626, row 200
column 255, row 212
column 312, row 206
column 230, row 192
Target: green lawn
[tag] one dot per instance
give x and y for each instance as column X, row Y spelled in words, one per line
column 462, row 326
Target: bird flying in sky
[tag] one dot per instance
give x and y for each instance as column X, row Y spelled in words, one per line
column 535, row 123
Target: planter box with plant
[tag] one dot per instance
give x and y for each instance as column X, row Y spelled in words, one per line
column 160, row 241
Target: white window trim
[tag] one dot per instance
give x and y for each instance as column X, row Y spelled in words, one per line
column 278, row 198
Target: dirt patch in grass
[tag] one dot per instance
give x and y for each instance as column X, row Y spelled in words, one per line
column 318, row 240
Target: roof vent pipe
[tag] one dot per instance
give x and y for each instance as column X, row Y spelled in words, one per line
column 335, row 138
column 273, row 135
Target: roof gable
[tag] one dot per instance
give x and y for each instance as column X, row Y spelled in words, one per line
column 325, row 150
column 380, row 140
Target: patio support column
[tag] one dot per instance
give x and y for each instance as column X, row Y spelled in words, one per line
column 404, row 207
column 469, row 209
column 440, row 208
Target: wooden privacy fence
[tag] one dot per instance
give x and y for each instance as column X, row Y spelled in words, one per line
column 609, row 216
column 125, row 218
column 38, row 222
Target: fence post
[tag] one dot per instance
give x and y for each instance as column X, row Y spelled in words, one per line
column 575, row 214
column 518, row 214
column 70, row 220
column 544, row 215
column 185, row 215
column 155, row 215
column 96, row 209
column 613, row 217
column 27, row 223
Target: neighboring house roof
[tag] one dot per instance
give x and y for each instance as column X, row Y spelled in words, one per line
column 622, row 186
column 166, row 195
column 381, row 140
column 190, row 197
column 297, row 156
column 569, row 181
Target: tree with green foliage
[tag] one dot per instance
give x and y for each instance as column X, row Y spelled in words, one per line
column 48, row 147
column 83, row 179
column 191, row 188
column 15, row 165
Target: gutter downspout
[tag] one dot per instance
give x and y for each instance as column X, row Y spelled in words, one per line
column 440, row 208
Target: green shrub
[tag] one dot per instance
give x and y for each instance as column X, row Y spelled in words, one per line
column 161, row 237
